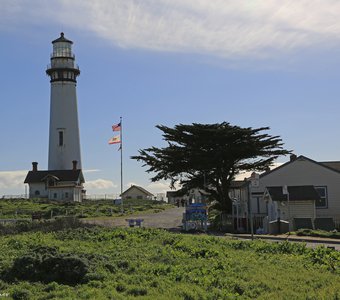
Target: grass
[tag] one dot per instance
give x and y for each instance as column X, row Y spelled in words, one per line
column 318, row 233
column 24, row 208
column 155, row 264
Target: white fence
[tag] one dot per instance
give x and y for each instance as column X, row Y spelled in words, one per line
column 22, row 196
column 96, row 197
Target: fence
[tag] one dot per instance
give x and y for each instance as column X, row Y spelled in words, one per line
column 21, row 196
column 337, row 223
column 233, row 224
column 96, row 197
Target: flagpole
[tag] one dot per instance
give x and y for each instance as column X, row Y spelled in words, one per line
column 121, row 162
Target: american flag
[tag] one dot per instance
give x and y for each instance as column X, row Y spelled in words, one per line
column 116, row 127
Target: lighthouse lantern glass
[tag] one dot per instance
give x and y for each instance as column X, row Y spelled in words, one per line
column 62, row 49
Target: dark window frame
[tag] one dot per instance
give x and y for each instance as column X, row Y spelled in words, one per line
column 325, row 206
column 61, row 138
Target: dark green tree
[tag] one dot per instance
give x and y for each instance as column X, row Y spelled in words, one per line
column 209, row 156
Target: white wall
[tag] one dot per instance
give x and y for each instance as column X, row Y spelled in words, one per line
column 134, row 193
column 63, row 116
column 33, row 187
column 305, row 172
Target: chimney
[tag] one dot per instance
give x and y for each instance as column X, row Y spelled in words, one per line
column 292, row 157
column 34, row 166
column 74, row 162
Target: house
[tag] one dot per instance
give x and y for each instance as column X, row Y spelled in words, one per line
column 136, row 192
column 297, row 173
column 64, row 185
column 295, row 204
column 193, row 196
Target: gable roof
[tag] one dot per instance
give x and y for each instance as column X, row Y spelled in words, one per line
column 144, row 191
column 334, row 165
column 295, row 193
column 331, row 165
column 61, row 175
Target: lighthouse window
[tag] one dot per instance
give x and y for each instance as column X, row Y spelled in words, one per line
column 61, row 138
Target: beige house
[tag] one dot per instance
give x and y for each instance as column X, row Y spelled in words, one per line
column 324, row 177
column 136, row 192
column 295, row 204
column 63, row 185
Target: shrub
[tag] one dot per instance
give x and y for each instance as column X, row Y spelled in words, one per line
column 334, row 234
column 326, row 257
column 137, row 291
column 43, row 226
column 21, row 294
column 46, row 265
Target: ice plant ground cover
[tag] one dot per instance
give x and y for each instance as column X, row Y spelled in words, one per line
column 24, row 208
column 85, row 262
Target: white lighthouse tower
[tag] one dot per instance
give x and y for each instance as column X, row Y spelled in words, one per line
column 64, row 142
column 64, row 178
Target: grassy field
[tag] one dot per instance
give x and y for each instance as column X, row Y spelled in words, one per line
column 24, row 208
column 102, row 263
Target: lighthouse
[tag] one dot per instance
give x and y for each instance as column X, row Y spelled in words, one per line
column 64, row 142
column 64, row 178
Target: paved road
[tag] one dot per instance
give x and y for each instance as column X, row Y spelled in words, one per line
column 167, row 219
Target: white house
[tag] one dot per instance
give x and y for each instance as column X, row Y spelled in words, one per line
column 64, row 185
column 324, row 177
column 136, row 192
column 295, row 204
column 193, row 196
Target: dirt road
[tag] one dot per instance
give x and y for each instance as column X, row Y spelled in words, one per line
column 167, row 219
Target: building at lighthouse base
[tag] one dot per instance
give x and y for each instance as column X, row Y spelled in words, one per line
column 60, row 185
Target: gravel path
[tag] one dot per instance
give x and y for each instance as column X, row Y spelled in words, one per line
column 167, row 219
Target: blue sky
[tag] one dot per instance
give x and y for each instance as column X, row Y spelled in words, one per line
column 251, row 63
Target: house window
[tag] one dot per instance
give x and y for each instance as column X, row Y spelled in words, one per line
column 139, row 197
column 61, row 138
column 323, row 201
column 55, row 195
column 258, row 204
column 37, row 193
column 66, row 195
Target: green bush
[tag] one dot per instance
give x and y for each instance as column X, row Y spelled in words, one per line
column 19, row 294
column 44, row 226
column 334, row 234
column 137, row 291
column 124, row 263
column 45, row 264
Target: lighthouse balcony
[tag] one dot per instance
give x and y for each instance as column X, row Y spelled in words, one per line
column 62, row 64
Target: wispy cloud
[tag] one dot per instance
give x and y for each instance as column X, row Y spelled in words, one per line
column 12, row 179
column 91, row 171
column 99, row 184
column 222, row 28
